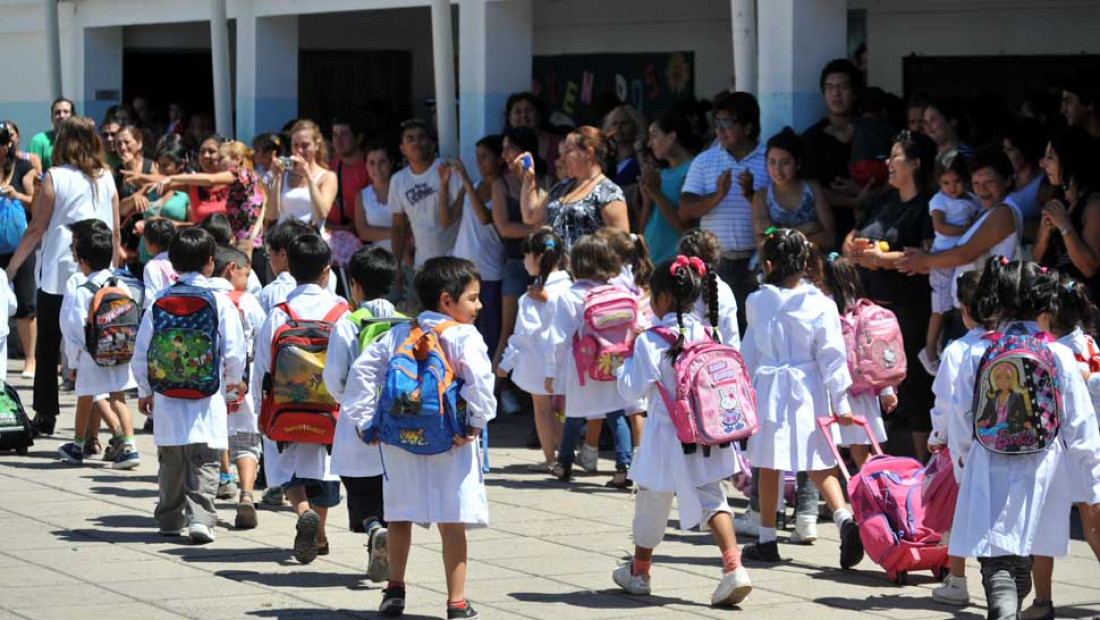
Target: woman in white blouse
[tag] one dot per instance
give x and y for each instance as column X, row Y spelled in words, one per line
column 308, row 188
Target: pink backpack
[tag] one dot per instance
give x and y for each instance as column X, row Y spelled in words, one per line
column 940, row 492
column 607, row 335
column 876, row 355
column 715, row 404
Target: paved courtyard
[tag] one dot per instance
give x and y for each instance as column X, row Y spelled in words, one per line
column 81, row 543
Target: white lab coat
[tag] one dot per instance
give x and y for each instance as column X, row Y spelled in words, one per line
column 246, row 418
column 277, row 291
column 943, row 387
column 440, row 488
column 158, row 275
column 91, row 379
column 526, row 354
column 1082, row 482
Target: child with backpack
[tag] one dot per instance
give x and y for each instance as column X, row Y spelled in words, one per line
column 794, row 349
column 675, row 359
column 436, row 396
column 545, row 259
column 297, row 413
column 370, row 272
column 99, row 321
column 158, row 274
column 1030, row 413
column 592, row 331
column 278, row 239
column 189, row 360
column 231, row 269
column 716, row 306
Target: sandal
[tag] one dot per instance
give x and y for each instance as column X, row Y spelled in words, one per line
column 561, row 472
column 322, row 548
column 619, row 481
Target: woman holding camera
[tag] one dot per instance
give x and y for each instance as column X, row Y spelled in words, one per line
column 305, row 189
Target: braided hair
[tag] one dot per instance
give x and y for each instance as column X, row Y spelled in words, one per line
column 705, row 245
column 1013, row 291
column 547, row 246
column 680, row 280
column 790, row 255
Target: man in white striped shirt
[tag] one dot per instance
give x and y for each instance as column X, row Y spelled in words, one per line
column 707, row 194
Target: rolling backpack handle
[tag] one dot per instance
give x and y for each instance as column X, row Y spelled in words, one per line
column 825, row 423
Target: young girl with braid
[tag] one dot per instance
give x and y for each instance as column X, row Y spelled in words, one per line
column 721, row 316
column 662, row 469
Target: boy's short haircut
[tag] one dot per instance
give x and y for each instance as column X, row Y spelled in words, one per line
column 191, row 250
column 225, row 255
column 217, row 224
column 373, row 268
column 159, row 232
column 95, row 245
column 967, row 286
column 307, row 257
column 280, row 235
column 444, row 274
column 88, row 226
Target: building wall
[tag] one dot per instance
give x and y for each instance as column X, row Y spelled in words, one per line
column 24, row 83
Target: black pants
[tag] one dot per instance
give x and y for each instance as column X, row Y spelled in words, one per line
column 46, row 357
column 915, row 392
column 364, row 500
column 736, row 274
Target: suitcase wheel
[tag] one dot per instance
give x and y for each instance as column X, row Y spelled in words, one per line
column 900, row 579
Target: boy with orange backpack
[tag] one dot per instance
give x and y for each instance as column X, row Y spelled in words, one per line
column 297, row 413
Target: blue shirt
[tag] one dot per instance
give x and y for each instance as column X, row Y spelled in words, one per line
column 660, row 235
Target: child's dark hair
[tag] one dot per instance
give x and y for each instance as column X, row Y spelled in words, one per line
column 278, row 238
column 217, row 224
column 1072, row 308
column 966, row 288
column 226, row 255
column 444, row 274
column 681, row 282
column 705, row 245
column 842, row 279
column 547, row 245
column 191, row 250
column 373, row 268
column 93, row 243
column 159, row 232
column 307, row 256
column 1013, row 291
column 634, row 252
column 790, row 254
column 593, row 258
column 954, row 163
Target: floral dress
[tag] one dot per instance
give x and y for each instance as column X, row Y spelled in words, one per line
column 244, row 205
column 572, row 220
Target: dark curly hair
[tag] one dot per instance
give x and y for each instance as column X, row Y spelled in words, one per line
column 1013, row 291
column 790, row 255
column 1072, row 308
column 683, row 286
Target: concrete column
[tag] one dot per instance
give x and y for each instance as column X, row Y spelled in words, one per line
column 796, row 39
column 219, row 53
column 53, row 47
column 267, row 71
column 495, row 43
column 102, row 62
column 443, row 63
column 743, row 20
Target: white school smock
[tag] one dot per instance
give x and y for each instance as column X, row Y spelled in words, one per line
column 660, row 464
column 440, row 488
column 943, row 386
column 246, row 418
column 303, row 460
column 727, row 314
column 866, row 404
column 795, row 353
column 350, row 455
column 181, row 422
column 1081, row 481
column 158, row 275
column 526, row 354
column 91, row 378
column 277, row 291
column 1019, row 504
column 595, row 399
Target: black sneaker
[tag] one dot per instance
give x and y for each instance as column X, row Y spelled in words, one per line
column 44, row 426
column 761, row 552
column 562, row 472
column 851, row 547
column 393, row 601
column 466, row 613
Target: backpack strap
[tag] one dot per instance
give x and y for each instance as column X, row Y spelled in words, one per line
column 290, row 313
column 444, row 326
column 235, row 296
column 335, row 313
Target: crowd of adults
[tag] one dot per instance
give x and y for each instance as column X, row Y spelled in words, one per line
column 861, row 176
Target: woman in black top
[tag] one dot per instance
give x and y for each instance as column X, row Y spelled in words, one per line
column 17, row 177
column 900, row 218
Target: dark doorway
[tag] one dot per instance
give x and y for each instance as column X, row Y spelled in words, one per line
column 1011, row 77
column 169, row 76
column 372, row 87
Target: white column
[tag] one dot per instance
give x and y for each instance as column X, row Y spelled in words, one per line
column 743, row 20
column 102, row 70
column 219, row 53
column 53, row 47
column 796, row 39
column 267, row 71
column 444, row 68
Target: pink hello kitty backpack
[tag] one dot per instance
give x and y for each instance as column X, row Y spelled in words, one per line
column 876, row 353
column 714, row 404
column 607, row 336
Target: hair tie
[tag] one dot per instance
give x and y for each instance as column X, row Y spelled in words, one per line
column 549, row 244
column 681, row 262
column 698, row 265
column 634, row 237
column 1004, row 261
column 1070, row 286
column 771, row 231
column 832, row 256
column 1042, row 270
column 694, row 263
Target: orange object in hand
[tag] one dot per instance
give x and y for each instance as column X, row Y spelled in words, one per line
column 884, row 246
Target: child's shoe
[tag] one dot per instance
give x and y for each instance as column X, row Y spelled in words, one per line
column 128, row 458
column 305, row 541
column 562, row 472
column 805, row 530
column 114, row 448
column 588, row 458
column 465, row 612
column 619, row 480
column 227, row 488
column 851, row 546
column 1039, row 610
column 378, row 561
column 953, row 591
column 393, row 601
column 246, row 513
column 274, row 496
column 733, row 588
column 71, row 453
column 625, row 578
column 747, row 524
column 200, row 534
column 761, row 552
column 931, row 367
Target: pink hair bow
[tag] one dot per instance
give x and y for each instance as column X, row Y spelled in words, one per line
column 694, row 263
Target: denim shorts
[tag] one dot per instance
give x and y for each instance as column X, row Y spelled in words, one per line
column 516, row 279
column 321, row 493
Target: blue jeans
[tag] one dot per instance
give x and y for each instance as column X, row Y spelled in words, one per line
column 1007, row 582
column 620, row 430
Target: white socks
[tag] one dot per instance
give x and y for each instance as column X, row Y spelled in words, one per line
column 767, row 534
column 841, row 515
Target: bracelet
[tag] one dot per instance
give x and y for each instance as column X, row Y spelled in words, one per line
column 1065, row 231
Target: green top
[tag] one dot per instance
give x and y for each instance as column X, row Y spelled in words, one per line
column 42, row 146
column 175, row 209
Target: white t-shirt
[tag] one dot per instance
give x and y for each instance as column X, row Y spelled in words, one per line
column 480, row 243
column 297, row 203
column 417, row 196
column 957, row 212
column 76, row 198
column 377, row 214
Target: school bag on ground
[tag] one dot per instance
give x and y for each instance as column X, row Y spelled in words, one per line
column 16, row 432
column 296, row 406
column 887, row 504
column 372, row 328
column 1017, row 400
column 185, row 350
column 114, row 317
column 714, row 403
column 607, row 335
column 419, row 409
column 235, row 404
column 876, row 353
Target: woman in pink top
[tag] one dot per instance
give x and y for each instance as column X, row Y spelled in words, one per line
column 208, row 199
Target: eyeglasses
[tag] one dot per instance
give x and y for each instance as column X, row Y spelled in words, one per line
column 726, row 122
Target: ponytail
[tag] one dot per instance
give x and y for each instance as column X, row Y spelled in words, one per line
column 681, row 280
column 842, row 280
column 547, row 245
column 1072, row 307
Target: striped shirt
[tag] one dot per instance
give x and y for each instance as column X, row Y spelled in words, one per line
column 731, row 220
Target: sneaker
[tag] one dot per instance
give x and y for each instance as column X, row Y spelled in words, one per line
column 200, row 534
column 378, row 559
column 1039, row 610
column 638, row 585
column 805, row 530
column 246, row 514
column 127, row 459
column 71, row 453
column 540, row 468
column 851, row 547
column 466, row 613
column 393, row 601
column 953, row 592
column 114, row 448
column 274, row 496
column 747, row 524
column 588, row 458
column 733, row 588
column 931, row 367
column 761, row 552
column 227, row 489
column 305, row 541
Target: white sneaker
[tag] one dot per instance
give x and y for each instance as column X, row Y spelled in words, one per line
column 588, row 458
column 952, row 592
column 634, row 584
column 747, row 524
column 930, row 367
column 805, row 530
column 200, row 534
column 733, row 588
